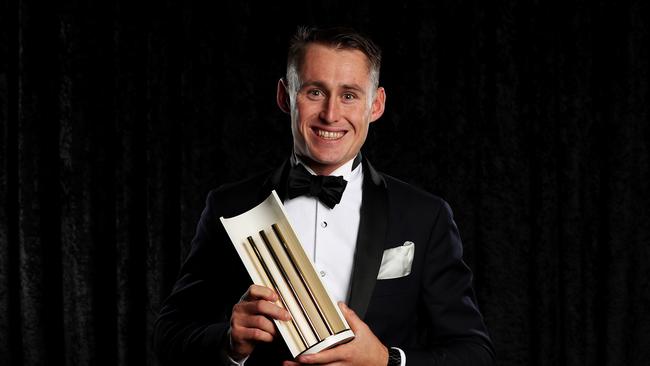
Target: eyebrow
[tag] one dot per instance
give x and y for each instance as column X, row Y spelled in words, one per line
column 322, row 85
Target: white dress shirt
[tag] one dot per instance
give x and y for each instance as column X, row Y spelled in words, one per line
column 329, row 236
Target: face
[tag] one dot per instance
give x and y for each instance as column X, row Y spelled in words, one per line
column 333, row 106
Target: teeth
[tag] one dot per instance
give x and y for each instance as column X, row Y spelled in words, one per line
column 330, row 135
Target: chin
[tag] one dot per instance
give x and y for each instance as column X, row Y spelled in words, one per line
column 327, row 159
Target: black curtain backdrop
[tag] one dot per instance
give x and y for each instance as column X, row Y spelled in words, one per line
column 530, row 118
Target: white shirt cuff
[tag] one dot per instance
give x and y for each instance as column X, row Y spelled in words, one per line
column 402, row 356
column 225, row 358
column 232, row 362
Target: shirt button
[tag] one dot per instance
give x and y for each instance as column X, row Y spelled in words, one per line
column 323, row 224
column 322, row 273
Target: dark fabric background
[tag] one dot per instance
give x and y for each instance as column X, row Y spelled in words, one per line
column 530, row 118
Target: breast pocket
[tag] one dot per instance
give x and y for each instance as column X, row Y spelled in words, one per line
column 396, row 262
column 395, row 286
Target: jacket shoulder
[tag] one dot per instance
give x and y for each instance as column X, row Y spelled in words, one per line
column 236, row 197
column 411, row 195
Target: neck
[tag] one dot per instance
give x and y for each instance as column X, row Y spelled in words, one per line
column 318, row 168
column 321, row 169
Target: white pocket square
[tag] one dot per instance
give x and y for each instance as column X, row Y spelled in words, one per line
column 397, row 261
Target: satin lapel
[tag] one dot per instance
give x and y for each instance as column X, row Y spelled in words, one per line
column 370, row 240
column 277, row 180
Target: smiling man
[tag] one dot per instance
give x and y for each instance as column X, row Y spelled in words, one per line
column 332, row 101
column 390, row 254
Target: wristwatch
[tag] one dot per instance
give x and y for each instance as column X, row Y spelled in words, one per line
column 394, row 357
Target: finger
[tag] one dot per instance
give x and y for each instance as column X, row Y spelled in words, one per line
column 260, row 307
column 255, row 292
column 268, row 309
column 239, row 334
column 338, row 353
column 256, row 321
column 290, row 363
column 351, row 317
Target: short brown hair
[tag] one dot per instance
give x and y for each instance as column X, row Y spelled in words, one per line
column 335, row 37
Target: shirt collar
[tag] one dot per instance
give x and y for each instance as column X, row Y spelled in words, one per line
column 344, row 170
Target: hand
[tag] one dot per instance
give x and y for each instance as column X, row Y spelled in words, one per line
column 251, row 320
column 365, row 349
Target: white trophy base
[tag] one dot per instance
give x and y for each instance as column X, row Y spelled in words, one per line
column 330, row 342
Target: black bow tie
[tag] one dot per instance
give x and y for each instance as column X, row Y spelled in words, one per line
column 328, row 189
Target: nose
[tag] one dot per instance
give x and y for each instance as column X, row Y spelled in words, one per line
column 330, row 112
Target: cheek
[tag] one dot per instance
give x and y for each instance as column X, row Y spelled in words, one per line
column 303, row 126
column 304, row 117
column 358, row 114
column 361, row 121
column 300, row 129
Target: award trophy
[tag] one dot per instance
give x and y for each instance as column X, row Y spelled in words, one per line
column 274, row 257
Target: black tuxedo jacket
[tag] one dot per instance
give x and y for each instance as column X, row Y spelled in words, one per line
column 431, row 314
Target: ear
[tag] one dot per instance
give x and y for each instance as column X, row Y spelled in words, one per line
column 378, row 105
column 282, row 96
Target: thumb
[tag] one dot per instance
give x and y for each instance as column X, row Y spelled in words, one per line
column 350, row 316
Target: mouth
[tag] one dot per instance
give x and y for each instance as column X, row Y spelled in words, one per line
column 328, row 135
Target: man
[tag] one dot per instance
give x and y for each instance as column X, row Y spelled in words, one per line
column 421, row 311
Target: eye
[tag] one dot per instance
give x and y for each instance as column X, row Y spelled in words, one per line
column 348, row 97
column 314, row 93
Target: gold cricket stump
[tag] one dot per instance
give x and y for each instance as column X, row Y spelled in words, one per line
column 274, row 257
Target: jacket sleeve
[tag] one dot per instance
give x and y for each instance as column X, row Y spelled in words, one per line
column 457, row 334
column 193, row 322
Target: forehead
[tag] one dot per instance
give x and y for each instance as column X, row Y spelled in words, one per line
column 325, row 63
